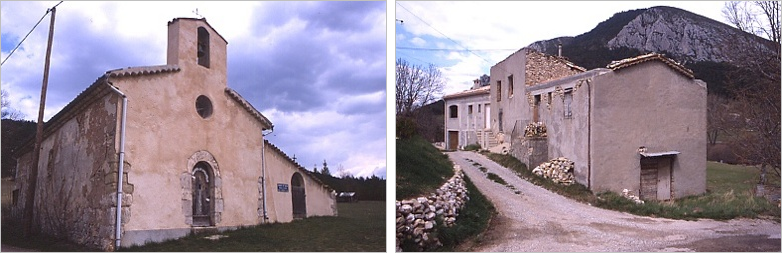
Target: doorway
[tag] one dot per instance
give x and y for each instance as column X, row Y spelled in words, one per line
column 453, row 140
column 656, row 178
column 203, row 194
column 298, row 196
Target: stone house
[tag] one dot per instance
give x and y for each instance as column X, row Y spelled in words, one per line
column 189, row 154
column 638, row 124
column 467, row 118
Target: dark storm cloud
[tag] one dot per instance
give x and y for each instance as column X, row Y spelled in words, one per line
column 342, row 16
column 77, row 61
column 305, row 68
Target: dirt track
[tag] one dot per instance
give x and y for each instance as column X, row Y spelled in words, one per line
column 538, row 220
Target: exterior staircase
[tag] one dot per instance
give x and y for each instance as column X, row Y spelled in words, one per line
column 490, row 140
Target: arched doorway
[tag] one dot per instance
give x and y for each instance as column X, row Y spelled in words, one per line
column 203, row 195
column 298, row 196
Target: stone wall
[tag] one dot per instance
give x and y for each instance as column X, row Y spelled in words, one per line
column 416, row 219
column 530, row 150
column 542, row 68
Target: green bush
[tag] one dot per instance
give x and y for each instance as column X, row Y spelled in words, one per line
column 405, row 127
column 472, row 147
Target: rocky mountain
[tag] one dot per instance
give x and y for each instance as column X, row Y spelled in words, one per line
column 706, row 46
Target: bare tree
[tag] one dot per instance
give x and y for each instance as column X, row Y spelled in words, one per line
column 342, row 172
column 760, row 18
column 717, row 113
column 6, row 111
column 755, row 86
column 416, row 86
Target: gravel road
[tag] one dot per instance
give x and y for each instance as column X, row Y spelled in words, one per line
column 539, row 220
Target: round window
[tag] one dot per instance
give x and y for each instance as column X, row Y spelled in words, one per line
column 203, row 106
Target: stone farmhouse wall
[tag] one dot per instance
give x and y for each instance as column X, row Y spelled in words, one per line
column 416, row 218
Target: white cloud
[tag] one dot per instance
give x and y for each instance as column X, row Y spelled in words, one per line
column 418, row 41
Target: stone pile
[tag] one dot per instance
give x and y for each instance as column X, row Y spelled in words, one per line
column 535, row 129
column 416, row 219
column 559, row 170
column 627, row 195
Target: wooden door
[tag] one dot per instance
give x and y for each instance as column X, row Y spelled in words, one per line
column 453, row 140
column 649, row 174
column 202, row 190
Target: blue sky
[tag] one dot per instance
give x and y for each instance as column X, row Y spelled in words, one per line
column 317, row 70
column 494, row 30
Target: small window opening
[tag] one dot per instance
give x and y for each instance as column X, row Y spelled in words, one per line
column 469, row 109
column 568, row 101
column 453, row 111
column 203, row 47
column 510, row 86
column 203, row 106
column 15, row 197
column 499, row 91
column 479, row 108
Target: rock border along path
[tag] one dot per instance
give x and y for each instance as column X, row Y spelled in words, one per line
column 539, row 220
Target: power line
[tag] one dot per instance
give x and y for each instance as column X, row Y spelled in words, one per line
column 441, row 33
column 449, row 38
column 28, row 34
column 451, row 50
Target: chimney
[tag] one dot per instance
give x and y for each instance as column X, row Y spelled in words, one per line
column 476, row 83
column 559, row 46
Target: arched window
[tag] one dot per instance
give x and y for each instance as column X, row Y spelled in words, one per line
column 298, row 196
column 203, row 47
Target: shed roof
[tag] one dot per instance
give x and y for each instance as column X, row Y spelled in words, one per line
column 624, row 63
column 656, row 154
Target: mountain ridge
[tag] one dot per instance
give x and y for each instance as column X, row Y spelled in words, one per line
column 708, row 47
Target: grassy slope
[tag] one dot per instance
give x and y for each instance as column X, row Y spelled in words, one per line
column 420, row 167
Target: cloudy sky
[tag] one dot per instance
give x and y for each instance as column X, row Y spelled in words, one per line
column 494, row 30
column 317, row 70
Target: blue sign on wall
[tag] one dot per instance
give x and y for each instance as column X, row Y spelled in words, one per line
column 282, row 187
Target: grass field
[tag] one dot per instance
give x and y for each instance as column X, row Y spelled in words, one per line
column 359, row 227
column 729, row 194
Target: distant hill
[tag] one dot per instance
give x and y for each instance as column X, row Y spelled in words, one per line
column 708, row 47
column 430, row 121
column 14, row 134
column 371, row 188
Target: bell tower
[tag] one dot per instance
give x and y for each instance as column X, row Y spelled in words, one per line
column 195, row 46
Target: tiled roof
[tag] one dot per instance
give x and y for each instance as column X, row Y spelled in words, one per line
column 299, row 167
column 571, row 65
column 138, row 71
column 249, row 107
column 479, row 91
column 624, row 63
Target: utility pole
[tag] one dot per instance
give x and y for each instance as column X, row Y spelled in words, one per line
column 29, row 228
